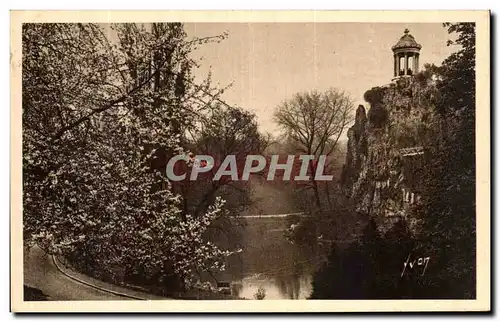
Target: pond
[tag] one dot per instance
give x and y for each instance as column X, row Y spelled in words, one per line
column 268, row 261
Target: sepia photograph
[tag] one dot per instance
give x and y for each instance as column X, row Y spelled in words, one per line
column 216, row 161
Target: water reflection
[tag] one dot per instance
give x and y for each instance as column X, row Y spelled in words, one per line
column 298, row 287
column 270, row 262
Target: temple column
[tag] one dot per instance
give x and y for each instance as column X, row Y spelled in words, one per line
column 412, row 65
column 406, row 64
column 398, row 66
column 395, row 65
column 416, row 63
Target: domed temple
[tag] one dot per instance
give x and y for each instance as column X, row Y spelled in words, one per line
column 406, row 55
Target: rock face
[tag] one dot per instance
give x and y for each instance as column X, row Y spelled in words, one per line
column 386, row 150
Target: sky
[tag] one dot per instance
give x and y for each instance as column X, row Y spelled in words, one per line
column 268, row 63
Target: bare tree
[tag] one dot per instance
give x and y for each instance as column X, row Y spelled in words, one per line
column 315, row 121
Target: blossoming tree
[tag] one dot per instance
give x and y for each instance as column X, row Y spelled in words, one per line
column 100, row 105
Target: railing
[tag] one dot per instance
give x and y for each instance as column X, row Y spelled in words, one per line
column 417, row 150
column 299, row 214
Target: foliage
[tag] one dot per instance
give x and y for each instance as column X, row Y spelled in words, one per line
column 302, row 232
column 413, row 109
column 374, row 95
column 368, row 269
column 449, row 213
column 96, row 113
column 377, row 115
column 428, row 73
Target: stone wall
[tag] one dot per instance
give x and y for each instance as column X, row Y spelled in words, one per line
column 386, row 151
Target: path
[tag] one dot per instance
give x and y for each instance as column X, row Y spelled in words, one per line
column 41, row 273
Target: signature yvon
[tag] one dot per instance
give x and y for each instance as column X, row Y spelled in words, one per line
column 420, row 262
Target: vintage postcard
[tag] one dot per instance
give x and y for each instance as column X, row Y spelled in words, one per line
column 184, row 161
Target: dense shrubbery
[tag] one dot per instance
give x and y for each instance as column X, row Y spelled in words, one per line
column 374, row 96
column 302, row 232
column 370, row 268
column 377, row 114
column 449, row 210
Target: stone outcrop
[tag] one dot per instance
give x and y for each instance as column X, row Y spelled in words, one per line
column 386, row 150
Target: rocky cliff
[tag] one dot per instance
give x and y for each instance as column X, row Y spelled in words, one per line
column 386, row 150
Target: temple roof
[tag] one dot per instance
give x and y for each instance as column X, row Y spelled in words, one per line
column 406, row 41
